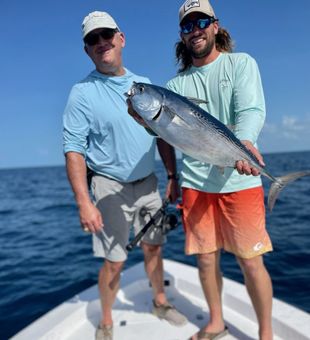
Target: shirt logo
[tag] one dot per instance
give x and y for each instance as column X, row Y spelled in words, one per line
column 224, row 83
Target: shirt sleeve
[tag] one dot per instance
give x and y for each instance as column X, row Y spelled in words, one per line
column 170, row 86
column 249, row 100
column 76, row 123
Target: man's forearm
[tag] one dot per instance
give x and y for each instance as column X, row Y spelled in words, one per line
column 167, row 155
column 76, row 172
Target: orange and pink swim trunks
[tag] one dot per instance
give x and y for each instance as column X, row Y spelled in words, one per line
column 234, row 222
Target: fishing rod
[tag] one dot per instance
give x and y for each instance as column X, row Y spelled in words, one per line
column 169, row 222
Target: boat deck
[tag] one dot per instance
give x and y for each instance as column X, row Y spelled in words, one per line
column 78, row 317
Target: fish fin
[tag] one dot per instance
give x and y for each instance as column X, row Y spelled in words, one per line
column 197, row 101
column 221, row 169
column 279, row 185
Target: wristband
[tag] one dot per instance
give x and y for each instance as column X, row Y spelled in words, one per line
column 173, row 176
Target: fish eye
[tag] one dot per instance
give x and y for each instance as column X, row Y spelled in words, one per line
column 141, row 89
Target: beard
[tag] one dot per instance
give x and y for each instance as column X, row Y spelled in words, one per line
column 204, row 51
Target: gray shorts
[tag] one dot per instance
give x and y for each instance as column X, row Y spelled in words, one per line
column 120, row 205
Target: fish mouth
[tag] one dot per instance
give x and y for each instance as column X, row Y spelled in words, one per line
column 131, row 92
column 128, row 94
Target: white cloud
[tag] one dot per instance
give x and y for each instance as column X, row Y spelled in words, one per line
column 292, row 133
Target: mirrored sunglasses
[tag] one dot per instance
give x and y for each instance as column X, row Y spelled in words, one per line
column 204, row 23
column 92, row 39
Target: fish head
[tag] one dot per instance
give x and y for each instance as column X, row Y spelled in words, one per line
column 146, row 100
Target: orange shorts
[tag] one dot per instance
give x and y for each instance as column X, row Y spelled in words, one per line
column 232, row 221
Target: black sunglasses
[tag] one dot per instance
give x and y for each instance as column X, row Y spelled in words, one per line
column 204, row 23
column 92, row 39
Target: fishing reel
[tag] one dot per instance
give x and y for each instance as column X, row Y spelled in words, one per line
column 168, row 220
column 164, row 219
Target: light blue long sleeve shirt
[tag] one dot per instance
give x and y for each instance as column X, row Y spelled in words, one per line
column 98, row 126
column 232, row 86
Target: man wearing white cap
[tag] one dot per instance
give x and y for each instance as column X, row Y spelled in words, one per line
column 223, row 210
column 99, row 135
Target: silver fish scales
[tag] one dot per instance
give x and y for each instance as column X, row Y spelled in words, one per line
column 183, row 124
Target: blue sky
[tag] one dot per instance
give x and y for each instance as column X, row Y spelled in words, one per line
column 42, row 57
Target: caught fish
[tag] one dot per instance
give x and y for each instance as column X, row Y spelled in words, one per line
column 189, row 128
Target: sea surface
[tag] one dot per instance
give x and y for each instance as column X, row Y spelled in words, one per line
column 45, row 258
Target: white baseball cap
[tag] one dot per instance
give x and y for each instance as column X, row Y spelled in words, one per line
column 189, row 6
column 97, row 20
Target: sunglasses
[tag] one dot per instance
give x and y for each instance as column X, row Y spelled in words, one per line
column 92, row 39
column 188, row 26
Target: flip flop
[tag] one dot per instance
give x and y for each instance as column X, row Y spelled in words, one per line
column 203, row 335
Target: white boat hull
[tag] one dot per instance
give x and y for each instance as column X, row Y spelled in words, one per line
column 78, row 317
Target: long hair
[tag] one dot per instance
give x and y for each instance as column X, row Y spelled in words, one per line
column 223, row 43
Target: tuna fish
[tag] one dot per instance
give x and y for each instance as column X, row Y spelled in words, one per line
column 192, row 130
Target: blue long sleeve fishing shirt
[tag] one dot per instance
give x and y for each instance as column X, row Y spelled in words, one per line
column 98, row 126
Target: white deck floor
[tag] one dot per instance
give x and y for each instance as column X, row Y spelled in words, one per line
column 77, row 318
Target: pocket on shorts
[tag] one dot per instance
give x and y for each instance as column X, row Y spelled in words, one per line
column 103, row 186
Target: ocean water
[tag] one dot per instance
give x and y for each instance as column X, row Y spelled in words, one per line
column 45, row 258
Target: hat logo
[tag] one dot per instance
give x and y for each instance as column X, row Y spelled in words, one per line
column 190, row 4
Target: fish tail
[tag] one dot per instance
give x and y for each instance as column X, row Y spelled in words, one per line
column 279, row 184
